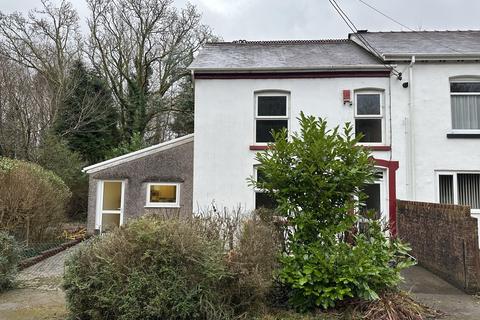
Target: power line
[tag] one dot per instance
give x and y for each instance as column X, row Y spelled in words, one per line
column 405, row 26
column 360, row 37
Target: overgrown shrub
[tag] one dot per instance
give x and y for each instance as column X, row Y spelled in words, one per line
column 32, row 199
column 317, row 178
column 174, row 268
column 9, row 258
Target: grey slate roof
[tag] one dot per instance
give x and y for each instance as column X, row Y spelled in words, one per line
column 284, row 55
column 424, row 42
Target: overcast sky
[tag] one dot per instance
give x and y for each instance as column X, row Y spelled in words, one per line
column 311, row 19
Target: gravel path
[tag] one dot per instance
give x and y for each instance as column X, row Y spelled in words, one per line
column 38, row 295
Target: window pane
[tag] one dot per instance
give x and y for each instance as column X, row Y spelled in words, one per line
column 110, row 221
column 263, row 200
column 272, row 106
column 159, row 193
column 368, row 104
column 265, row 127
column 370, row 128
column 445, row 186
column 465, row 86
column 469, row 189
column 112, row 195
column 374, row 198
column 466, row 112
column 260, row 175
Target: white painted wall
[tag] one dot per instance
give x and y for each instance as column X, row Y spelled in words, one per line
column 224, row 129
column 433, row 151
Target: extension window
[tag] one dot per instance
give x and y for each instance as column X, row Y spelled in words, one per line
column 163, row 195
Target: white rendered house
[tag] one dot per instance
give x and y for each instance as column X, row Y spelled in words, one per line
column 414, row 95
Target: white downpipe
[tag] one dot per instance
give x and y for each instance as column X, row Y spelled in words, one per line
column 411, row 133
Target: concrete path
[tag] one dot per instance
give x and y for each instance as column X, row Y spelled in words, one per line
column 440, row 295
column 38, row 295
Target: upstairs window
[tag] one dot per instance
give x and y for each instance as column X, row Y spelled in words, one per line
column 369, row 116
column 465, row 100
column 271, row 114
column 460, row 188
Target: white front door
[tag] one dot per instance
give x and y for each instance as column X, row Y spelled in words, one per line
column 110, row 203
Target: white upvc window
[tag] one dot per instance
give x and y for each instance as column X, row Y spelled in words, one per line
column 262, row 197
column 369, row 116
column 459, row 187
column 163, row 195
column 271, row 114
column 465, row 105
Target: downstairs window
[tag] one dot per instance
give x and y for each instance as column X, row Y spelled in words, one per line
column 161, row 195
column 461, row 188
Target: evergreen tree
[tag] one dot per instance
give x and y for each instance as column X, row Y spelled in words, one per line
column 183, row 109
column 87, row 119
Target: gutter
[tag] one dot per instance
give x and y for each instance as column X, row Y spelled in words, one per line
column 432, row 56
column 294, row 69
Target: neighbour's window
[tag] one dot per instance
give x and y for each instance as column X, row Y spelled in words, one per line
column 465, row 100
column 369, row 116
column 271, row 113
column 459, row 188
column 262, row 198
column 163, row 195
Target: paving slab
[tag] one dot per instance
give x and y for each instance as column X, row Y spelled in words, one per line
column 436, row 293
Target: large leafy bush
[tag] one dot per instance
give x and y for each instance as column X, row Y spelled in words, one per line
column 32, row 199
column 317, row 177
column 9, row 258
column 157, row 268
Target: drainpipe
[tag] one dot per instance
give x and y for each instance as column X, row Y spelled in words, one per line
column 411, row 133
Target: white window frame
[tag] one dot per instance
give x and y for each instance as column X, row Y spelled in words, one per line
column 380, row 116
column 175, row 204
column 455, row 185
column 270, row 93
column 99, row 205
column 455, row 80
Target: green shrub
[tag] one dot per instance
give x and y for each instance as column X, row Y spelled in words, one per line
column 166, row 269
column 317, row 178
column 32, row 199
column 9, row 258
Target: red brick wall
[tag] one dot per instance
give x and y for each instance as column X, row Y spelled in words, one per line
column 444, row 239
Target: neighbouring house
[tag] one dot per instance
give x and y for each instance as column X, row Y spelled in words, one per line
column 414, row 95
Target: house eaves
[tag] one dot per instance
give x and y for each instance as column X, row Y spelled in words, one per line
column 138, row 154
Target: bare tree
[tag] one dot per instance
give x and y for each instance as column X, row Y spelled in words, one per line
column 47, row 41
column 24, row 105
column 143, row 48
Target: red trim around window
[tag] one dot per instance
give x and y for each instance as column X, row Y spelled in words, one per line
column 392, row 167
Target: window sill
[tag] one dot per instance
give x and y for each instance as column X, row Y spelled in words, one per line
column 379, row 148
column 161, row 206
column 463, row 135
column 259, row 147
column 373, row 148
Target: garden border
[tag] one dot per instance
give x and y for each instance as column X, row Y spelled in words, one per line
column 48, row 253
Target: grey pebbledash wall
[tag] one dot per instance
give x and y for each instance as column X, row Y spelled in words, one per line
column 444, row 239
column 171, row 165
